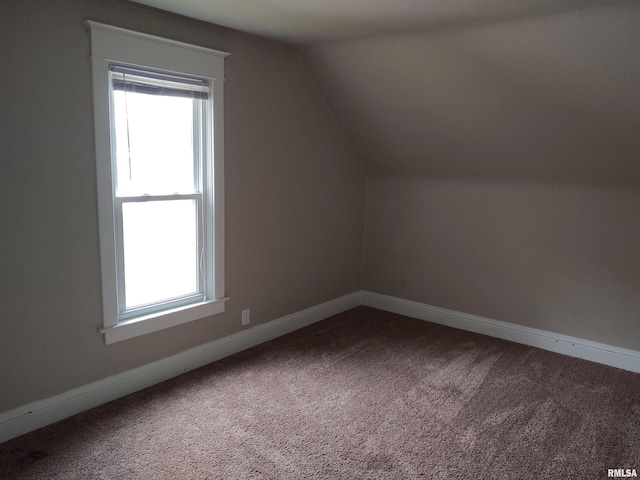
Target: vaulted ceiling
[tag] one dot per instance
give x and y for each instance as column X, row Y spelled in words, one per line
column 316, row 21
column 528, row 90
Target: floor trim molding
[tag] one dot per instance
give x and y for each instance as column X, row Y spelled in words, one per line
column 41, row 413
column 572, row 346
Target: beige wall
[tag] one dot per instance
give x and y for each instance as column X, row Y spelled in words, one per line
column 560, row 258
column 504, row 165
column 546, row 99
column 294, row 205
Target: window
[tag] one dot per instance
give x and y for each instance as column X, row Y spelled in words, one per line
column 159, row 153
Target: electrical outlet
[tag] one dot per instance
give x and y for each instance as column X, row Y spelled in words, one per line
column 404, row 283
column 246, row 316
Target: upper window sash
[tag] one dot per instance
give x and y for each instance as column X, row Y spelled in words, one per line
column 160, row 152
column 154, row 198
column 157, row 83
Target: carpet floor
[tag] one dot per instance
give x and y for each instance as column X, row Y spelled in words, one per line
column 363, row 395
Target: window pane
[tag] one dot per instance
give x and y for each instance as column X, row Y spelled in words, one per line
column 160, row 259
column 154, row 143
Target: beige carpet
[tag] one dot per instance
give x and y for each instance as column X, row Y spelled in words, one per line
column 362, row 395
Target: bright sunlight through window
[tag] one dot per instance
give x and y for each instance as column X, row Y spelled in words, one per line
column 159, row 134
column 155, row 155
column 158, row 122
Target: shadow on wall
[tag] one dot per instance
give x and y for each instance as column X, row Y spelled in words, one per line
column 546, row 100
column 557, row 258
column 404, row 18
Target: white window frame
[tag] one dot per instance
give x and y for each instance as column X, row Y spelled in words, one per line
column 113, row 45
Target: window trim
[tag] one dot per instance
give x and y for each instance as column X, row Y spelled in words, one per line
column 109, row 45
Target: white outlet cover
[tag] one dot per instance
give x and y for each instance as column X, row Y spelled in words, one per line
column 246, row 316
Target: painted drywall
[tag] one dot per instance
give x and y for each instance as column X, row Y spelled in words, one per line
column 554, row 257
column 294, row 196
column 320, row 21
column 504, row 166
column 547, row 99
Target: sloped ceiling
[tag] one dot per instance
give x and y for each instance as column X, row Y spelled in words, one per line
column 528, row 90
column 301, row 22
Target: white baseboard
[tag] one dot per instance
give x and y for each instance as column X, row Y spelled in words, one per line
column 572, row 346
column 41, row 413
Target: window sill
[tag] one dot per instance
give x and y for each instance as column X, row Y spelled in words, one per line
column 161, row 320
